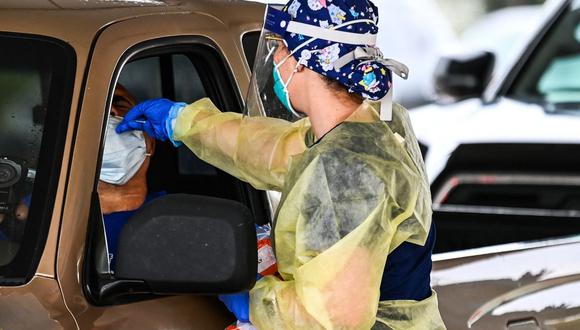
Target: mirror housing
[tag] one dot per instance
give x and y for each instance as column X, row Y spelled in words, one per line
column 180, row 244
column 466, row 76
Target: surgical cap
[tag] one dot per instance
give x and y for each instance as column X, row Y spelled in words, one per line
column 368, row 78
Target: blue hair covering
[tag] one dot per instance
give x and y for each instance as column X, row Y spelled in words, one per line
column 368, row 78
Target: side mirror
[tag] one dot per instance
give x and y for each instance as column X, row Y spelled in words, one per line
column 464, row 77
column 181, row 244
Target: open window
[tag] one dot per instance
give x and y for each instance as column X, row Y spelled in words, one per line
column 181, row 69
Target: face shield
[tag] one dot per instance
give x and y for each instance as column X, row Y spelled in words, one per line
column 262, row 98
column 345, row 52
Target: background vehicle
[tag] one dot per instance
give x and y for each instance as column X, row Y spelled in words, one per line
column 504, row 163
column 516, row 146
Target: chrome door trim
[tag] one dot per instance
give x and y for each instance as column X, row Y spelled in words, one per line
column 491, row 178
column 504, row 248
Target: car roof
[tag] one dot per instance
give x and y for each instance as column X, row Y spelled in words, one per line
column 76, row 20
column 98, row 4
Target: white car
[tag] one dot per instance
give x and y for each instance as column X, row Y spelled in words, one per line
column 504, row 32
column 524, row 129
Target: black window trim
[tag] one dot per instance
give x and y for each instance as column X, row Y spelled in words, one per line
column 24, row 265
column 506, row 86
column 243, row 40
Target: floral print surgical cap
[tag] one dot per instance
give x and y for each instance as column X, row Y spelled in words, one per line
column 368, row 78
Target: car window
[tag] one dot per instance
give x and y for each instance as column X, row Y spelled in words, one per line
column 179, row 72
column 250, row 42
column 136, row 169
column 560, row 83
column 552, row 76
column 147, row 69
column 33, row 97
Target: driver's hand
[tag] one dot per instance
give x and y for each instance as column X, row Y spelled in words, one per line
column 21, row 211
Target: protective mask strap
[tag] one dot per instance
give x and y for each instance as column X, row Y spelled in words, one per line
column 291, row 76
column 286, row 84
column 387, row 106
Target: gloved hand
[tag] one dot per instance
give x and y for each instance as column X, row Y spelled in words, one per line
column 153, row 117
column 238, row 304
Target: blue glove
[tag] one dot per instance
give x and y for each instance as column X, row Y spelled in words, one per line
column 153, row 117
column 238, row 304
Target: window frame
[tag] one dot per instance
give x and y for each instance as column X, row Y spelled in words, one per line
column 24, row 264
column 504, row 86
column 222, row 89
column 245, row 41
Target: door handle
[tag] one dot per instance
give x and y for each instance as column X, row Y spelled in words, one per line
column 525, row 324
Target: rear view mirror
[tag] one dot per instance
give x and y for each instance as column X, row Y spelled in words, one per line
column 464, row 77
column 181, row 244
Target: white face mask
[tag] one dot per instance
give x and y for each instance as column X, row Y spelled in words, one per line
column 124, row 154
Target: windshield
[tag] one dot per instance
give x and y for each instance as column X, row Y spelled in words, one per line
column 552, row 76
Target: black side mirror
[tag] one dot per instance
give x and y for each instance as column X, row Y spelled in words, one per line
column 181, row 244
column 464, row 77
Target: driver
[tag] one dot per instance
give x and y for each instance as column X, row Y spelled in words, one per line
column 122, row 183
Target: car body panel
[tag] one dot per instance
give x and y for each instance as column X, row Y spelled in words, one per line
column 444, row 128
column 491, row 289
column 35, row 305
column 504, row 32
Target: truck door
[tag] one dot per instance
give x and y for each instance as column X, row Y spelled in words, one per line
column 178, row 56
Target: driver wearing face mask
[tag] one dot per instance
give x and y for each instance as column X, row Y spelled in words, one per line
column 122, row 184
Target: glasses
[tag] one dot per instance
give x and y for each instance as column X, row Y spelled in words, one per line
column 272, row 42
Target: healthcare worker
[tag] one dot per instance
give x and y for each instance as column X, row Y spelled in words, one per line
column 352, row 232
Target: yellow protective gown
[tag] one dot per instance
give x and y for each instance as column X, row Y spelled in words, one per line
column 348, row 200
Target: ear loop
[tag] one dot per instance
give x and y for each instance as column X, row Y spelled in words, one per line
column 286, row 84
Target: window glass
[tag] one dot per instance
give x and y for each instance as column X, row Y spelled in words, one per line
column 186, row 80
column 136, row 73
column 127, row 180
column 32, row 99
column 250, row 42
column 561, row 81
column 552, row 76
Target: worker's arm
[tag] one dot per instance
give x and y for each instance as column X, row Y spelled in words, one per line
column 257, row 150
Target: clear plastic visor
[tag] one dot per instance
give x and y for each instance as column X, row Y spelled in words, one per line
column 261, row 99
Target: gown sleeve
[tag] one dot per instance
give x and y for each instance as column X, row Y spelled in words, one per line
column 256, row 150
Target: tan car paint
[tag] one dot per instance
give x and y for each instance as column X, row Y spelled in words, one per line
column 50, row 300
column 36, row 305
